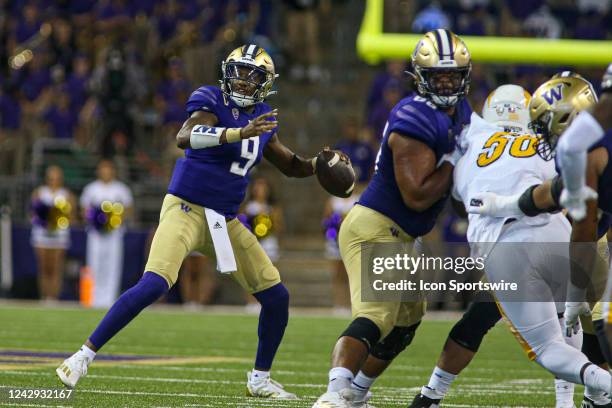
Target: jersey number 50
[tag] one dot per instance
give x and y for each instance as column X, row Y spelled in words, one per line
column 520, row 147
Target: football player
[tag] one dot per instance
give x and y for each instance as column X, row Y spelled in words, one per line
column 506, row 110
column 402, row 202
column 229, row 129
column 554, row 105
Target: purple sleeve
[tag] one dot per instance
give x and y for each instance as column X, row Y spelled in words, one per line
column 417, row 123
column 204, row 98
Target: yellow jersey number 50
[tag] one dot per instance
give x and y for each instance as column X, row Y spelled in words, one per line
column 520, row 146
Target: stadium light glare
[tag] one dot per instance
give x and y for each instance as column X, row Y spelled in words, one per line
column 374, row 46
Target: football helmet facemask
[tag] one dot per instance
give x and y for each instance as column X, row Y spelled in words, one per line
column 441, row 67
column 554, row 105
column 248, row 75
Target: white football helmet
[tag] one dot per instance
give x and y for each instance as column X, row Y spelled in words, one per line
column 507, row 106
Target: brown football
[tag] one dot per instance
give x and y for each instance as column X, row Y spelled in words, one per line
column 336, row 176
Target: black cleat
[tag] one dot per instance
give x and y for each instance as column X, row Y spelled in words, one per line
column 589, row 403
column 421, row 401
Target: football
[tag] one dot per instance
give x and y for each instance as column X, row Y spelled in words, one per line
column 336, row 176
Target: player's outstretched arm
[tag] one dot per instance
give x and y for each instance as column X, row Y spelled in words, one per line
column 199, row 131
column 421, row 183
column 289, row 163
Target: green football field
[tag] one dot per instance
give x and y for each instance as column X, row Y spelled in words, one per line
column 171, row 358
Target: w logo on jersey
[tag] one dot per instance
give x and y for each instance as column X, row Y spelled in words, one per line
column 553, row 94
column 185, row 207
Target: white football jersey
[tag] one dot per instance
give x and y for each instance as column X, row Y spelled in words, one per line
column 500, row 162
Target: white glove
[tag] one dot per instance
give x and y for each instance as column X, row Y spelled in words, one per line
column 494, row 205
column 452, row 157
column 575, row 201
column 573, row 311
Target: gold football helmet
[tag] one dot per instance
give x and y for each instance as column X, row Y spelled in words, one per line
column 441, row 67
column 247, row 75
column 555, row 104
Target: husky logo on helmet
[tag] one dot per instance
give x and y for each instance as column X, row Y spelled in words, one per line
column 248, row 75
column 553, row 94
column 555, row 104
column 441, row 52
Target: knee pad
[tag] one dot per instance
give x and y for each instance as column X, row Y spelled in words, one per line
column 475, row 324
column 604, row 344
column 276, row 296
column 395, row 342
column 364, row 330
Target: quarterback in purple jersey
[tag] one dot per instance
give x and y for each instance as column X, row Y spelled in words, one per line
column 228, row 131
column 401, row 203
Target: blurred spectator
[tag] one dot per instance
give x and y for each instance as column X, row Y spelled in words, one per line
column 430, row 18
column 601, row 7
column 112, row 16
column 394, row 71
column 27, row 24
column 197, row 281
column 475, row 21
column 61, row 118
column 590, row 27
column 52, row 208
column 302, row 39
column 175, row 80
column 37, row 76
column 119, row 86
column 360, row 152
column 542, row 23
column 264, row 218
column 521, row 9
column 12, row 146
column 106, row 204
column 62, row 45
column 392, row 94
column 335, row 210
column 77, row 83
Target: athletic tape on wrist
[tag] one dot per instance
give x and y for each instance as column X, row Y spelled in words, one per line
column 203, row 136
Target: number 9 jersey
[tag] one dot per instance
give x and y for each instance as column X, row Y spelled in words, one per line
column 500, row 162
column 217, row 177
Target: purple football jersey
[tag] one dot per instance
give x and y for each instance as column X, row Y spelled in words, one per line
column 217, row 177
column 419, row 119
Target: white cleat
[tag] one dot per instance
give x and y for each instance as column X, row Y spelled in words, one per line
column 331, row 400
column 267, row 388
column 72, row 369
column 342, row 399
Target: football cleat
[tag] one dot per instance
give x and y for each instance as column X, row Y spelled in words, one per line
column 72, row 369
column 267, row 388
column 334, row 400
column 589, row 403
column 342, row 399
column 421, row 401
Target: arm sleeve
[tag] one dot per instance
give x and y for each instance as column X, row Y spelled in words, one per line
column 572, row 149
